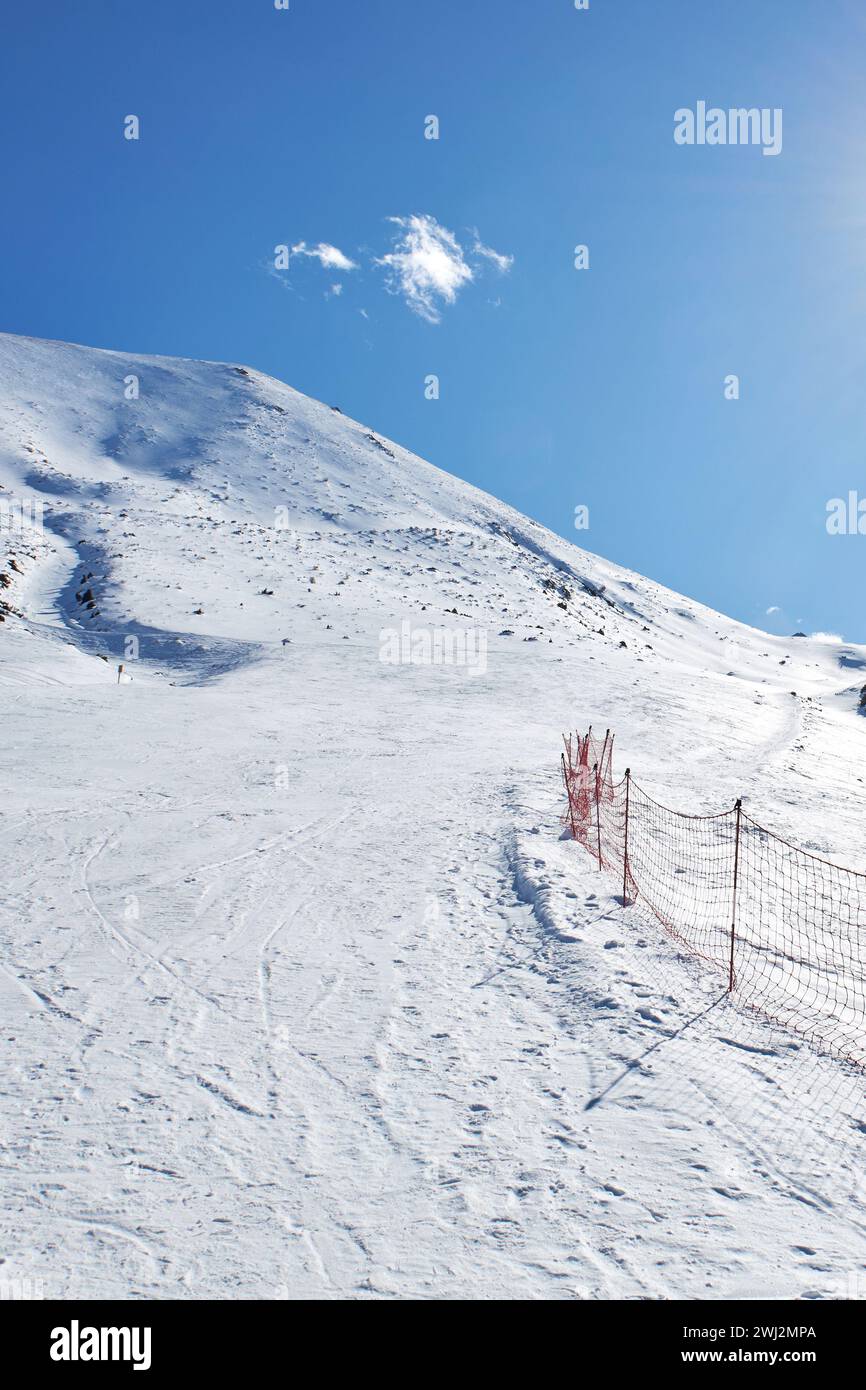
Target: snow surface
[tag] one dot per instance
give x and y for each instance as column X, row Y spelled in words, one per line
column 303, row 994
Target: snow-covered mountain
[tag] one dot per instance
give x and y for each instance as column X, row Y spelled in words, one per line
column 303, row 992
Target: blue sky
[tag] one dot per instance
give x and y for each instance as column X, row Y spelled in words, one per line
column 602, row 387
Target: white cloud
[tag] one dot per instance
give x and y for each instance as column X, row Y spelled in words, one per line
column 503, row 263
column 427, row 266
column 775, row 609
column 329, row 257
column 827, row 637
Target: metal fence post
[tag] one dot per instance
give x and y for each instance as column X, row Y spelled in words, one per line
column 625, row 844
column 597, row 814
column 738, row 809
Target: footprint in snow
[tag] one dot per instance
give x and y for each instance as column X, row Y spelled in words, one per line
column 649, row 1016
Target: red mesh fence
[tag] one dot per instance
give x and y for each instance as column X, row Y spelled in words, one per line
column 785, row 929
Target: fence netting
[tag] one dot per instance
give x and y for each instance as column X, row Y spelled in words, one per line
column 785, row 929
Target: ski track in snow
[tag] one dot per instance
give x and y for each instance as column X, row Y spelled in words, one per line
column 304, row 994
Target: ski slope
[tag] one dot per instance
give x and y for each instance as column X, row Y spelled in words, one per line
column 303, row 994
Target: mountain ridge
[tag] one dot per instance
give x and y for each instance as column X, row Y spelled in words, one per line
column 307, row 994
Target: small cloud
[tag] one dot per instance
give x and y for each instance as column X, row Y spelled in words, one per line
column 427, row 265
column 827, row 637
column 774, row 609
column 329, row 257
column 502, row 263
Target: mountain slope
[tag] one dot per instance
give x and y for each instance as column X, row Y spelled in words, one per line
column 306, row 993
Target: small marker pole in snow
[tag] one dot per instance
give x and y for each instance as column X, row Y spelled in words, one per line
column 625, row 844
column 119, row 672
column 738, row 808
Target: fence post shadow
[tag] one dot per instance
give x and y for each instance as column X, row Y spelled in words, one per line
column 637, row 1061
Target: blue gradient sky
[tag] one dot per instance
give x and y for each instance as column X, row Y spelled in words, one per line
column 558, row 387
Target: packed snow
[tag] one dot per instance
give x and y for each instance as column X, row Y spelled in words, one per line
column 304, row 994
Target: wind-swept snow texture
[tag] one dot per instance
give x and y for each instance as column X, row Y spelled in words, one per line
column 302, row 993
